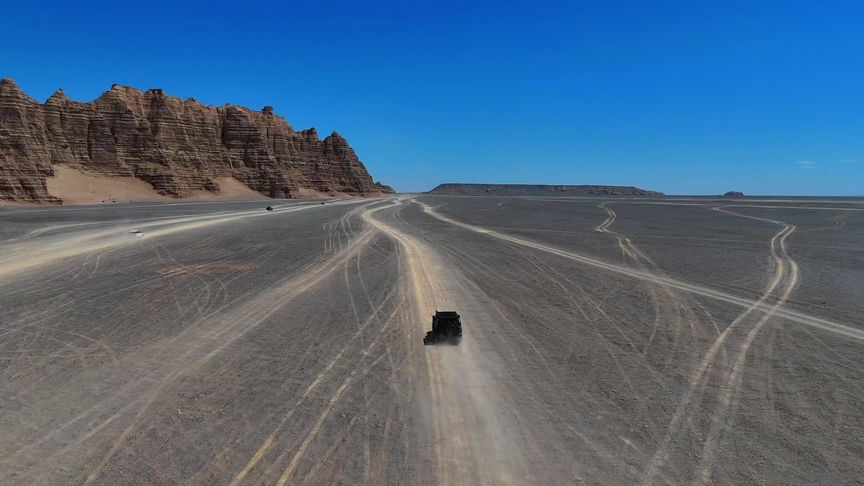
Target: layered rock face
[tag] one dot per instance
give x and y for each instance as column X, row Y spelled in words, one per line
column 540, row 190
column 177, row 146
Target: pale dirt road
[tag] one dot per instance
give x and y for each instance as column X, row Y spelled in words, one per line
column 605, row 343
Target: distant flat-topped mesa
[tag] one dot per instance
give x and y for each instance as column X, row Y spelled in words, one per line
column 177, row 146
column 539, row 190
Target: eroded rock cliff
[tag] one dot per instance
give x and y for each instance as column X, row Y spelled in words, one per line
column 178, row 146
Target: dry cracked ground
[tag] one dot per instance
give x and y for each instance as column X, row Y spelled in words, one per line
column 673, row 341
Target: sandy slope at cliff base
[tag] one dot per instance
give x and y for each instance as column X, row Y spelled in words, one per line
column 77, row 187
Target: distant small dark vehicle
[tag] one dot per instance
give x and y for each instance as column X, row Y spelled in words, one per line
column 446, row 328
column 322, row 203
column 269, row 208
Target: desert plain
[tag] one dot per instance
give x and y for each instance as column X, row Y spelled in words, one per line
column 606, row 341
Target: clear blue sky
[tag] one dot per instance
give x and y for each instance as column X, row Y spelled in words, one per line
column 684, row 97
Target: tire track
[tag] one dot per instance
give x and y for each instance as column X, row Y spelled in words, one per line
column 269, row 442
column 670, row 304
column 724, row 415
column 770, row 304
column 197, row 345
column 76, row 244
column 788, row 314
column 473, row 441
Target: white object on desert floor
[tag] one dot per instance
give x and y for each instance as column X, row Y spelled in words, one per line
column 137, row 233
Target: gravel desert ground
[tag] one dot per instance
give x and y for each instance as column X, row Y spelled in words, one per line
column 607, row 341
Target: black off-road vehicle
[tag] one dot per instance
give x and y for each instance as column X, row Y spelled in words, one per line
column 446, row 328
